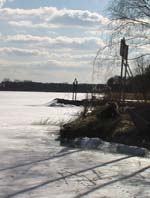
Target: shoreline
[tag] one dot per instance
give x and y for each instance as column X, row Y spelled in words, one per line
column 106, row 123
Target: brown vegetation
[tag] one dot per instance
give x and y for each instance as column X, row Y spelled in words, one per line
column 105, row 122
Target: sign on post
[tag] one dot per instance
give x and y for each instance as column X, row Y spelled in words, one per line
column 124, row 49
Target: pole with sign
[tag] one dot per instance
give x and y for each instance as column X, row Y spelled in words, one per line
column 124, row 67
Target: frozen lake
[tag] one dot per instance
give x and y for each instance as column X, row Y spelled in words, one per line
column 34, row 165
column 27, row 124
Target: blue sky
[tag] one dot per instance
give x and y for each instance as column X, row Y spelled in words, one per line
column 92, row 5
column 50, row 40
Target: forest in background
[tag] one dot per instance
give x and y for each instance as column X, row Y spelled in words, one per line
column 16, row 85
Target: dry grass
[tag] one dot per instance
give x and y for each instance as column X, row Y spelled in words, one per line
column 124, row 125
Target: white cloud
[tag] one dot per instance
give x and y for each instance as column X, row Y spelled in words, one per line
column 50, row 71
column 21, row 52
column 70, row 49
column 52, row 15
column 21, row 23
column 85, row 43
column 30, row 24
column 33, row 56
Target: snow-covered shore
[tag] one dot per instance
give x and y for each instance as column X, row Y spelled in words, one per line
column 34, row 165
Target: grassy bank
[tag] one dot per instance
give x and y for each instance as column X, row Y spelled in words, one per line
column 109, row 124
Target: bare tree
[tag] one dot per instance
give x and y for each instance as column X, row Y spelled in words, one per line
column 129, row 19
column 131, row 10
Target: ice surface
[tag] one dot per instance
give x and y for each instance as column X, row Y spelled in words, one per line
column 98, row 144
column 34, row 165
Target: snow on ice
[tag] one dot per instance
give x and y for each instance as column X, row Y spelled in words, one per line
column 34, row 165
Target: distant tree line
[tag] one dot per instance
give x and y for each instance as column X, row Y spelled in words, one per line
column 8, row 85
